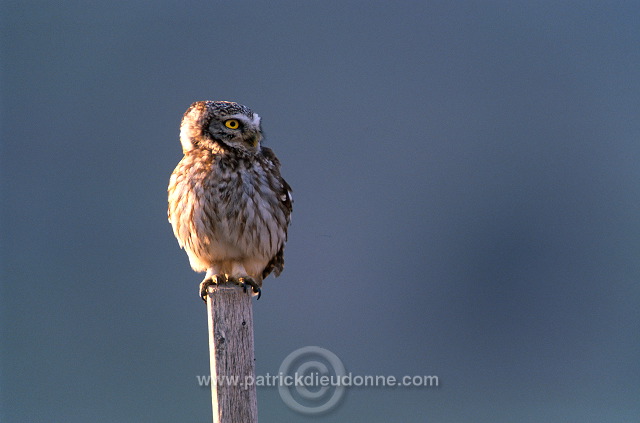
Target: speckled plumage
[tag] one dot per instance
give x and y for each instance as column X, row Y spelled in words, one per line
column 228, row 204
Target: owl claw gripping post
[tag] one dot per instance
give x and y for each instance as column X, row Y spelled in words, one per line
column 228, row 205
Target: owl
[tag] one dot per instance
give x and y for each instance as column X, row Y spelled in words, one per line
column 228, row 204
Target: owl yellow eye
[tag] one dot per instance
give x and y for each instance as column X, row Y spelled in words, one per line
column 232, row 124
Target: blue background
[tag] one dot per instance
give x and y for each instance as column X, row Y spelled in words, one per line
column 466, row 191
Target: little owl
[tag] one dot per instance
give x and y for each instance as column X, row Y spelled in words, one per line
column 228, row 205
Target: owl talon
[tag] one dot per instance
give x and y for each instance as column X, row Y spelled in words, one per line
column 207, row 282
column 257, row 291
column 243, row 282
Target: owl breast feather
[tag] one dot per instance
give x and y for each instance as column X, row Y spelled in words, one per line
column 230, row 212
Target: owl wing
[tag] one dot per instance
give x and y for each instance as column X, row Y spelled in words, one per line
column 283, row 191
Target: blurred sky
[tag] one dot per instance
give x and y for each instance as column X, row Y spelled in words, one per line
column 466, row 191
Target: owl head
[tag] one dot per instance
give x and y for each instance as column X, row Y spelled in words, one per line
column 229, row 124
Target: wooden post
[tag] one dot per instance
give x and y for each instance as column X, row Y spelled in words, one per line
column 231, row 354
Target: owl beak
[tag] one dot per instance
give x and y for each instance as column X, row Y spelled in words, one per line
column 254, row 139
